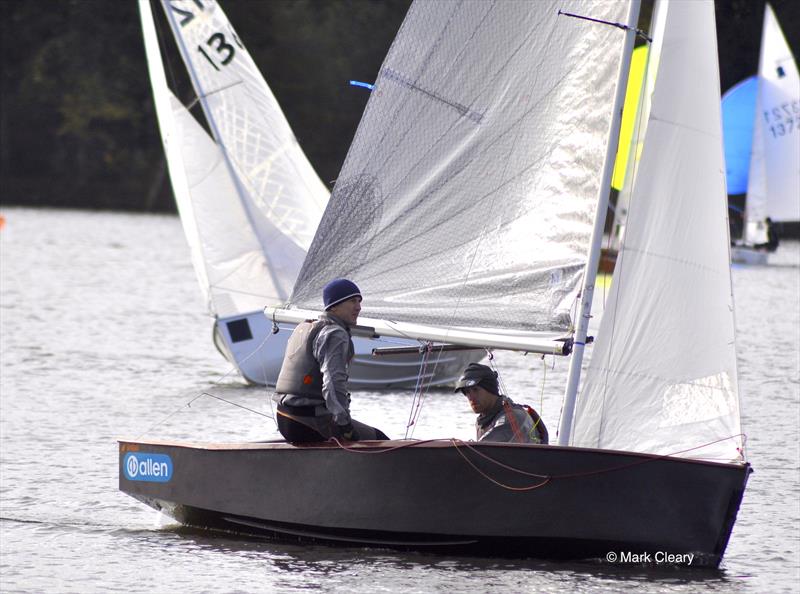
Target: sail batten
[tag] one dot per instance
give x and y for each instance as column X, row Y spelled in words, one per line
column 468, row 194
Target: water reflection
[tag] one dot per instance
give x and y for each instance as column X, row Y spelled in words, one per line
column 315, row 565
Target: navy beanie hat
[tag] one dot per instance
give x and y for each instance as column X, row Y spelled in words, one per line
column 478, row 375
column 339, row 290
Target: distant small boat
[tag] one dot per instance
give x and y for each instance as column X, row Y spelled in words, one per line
column 250, row 203
column 773, row 175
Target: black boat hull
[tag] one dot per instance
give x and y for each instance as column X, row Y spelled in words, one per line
column 491, row 499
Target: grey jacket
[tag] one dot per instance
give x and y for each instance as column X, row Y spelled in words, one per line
column 333, row 350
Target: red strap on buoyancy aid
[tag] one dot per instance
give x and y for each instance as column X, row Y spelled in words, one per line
column 517, row 431
column 538, row 425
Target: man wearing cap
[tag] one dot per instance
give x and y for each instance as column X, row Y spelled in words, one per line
column 313, row 401
column 499, row 419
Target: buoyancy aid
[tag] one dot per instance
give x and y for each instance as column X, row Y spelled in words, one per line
column 300, row 373
column 508, row 421
column 539, row 427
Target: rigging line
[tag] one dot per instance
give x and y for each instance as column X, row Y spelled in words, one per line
column 497, row 462
column 215, row 91
column 655, row 457
column 169, row 416
column 544, row 382
column 359, row 450
column 416, row 401
column 549, row 477
column 215, row 382
column 546, row 479
column 622, row 26
column 252, row 410
column 425, row 387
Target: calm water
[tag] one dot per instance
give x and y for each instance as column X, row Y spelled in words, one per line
column 103, row 337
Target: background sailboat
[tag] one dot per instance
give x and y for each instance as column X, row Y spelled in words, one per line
column 249, row 200
column 478, row 156
column 773, row 182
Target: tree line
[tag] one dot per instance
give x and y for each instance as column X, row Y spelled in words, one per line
column 77, row 121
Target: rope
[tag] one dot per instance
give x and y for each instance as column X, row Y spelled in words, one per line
column 545, row 479
column 234, row 404
column 216, row 382
column 420, row 391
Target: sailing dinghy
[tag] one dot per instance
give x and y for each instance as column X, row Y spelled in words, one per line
column 773, row 181
column 494, row 125
column 250, row 202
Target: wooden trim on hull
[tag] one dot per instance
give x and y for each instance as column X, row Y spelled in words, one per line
column 486, row 499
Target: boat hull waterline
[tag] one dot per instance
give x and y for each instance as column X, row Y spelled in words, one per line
column 517, row 500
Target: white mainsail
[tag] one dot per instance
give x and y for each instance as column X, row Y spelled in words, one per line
column 467, row 198
column 773, row 187
column 662, row 377
column 253, row 198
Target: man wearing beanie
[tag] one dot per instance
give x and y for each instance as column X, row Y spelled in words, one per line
column 313, row 401
column 499, row 419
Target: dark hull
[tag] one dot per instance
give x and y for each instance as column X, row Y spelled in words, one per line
column 447, row 496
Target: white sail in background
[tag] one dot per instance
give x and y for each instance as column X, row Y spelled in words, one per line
column 172, row 142
column 773, row 188
column 231, row 254
column 663, row 378
column 467, row 198
column 226, row 255
column 256, row 200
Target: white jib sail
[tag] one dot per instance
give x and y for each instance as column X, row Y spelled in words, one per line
column 264, row 188
column 662, row 377
column 773, row 187
column 468, row 194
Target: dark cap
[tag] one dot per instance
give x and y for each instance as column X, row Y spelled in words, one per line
column 478, row 375
column 339, row 290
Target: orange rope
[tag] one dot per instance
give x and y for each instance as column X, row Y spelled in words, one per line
column 498, row 483
column 546, row 478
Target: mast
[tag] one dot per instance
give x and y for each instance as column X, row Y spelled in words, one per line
column 587, row 291
column 212, row 124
